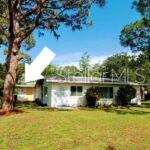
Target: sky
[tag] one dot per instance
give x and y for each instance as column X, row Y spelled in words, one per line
column 100, row 40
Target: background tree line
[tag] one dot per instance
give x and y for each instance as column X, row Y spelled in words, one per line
column 118, row 63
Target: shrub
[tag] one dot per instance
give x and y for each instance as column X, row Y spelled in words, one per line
column 39, row 103
column 125, row 94
column 1, row 102
column 147, row 96
column 92, row 95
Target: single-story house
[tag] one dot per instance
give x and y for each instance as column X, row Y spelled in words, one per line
column 70, row 92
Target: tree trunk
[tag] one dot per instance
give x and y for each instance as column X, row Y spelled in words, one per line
column 10, row 79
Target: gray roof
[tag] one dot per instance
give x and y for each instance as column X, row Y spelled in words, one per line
column 87, row 80
column 29, row 84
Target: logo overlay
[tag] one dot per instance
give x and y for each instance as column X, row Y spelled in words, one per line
column 34, row 70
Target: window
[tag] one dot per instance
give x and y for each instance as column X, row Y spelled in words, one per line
column 79, row 90
column 73, row 90
column 106, row 92
column 76, row 90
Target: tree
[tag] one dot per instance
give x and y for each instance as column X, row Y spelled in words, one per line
column 117, row 67
column 84, row 64
column 136, row 35
column 26, row 58
column 143, row 62
column 18, row 20
column 50, row 70
column 92, row 95
column 116, row 63
column 70, row 71
column 20, row 71
column 125, row 94
column 66, row 71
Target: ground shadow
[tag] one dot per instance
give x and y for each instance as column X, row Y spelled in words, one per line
column 33, row 105
column 10, row 112
column 127, row 111
column 135, row 110
column 145, row 104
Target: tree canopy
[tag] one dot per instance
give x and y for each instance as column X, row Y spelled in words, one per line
column 123, row 65
column 136, row 35
column 20, row 18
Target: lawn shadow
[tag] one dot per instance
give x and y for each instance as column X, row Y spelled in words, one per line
column 127, row 111
column 119, row 110
column 134, row 110
column 145, row 104
column 33, row 105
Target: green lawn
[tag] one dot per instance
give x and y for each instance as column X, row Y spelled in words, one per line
column 86, row 129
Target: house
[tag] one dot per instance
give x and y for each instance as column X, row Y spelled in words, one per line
column 60, row 91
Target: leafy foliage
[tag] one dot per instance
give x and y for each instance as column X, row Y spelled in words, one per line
column 92, row 95
column 143, row 62
column 136, row 35
column 20, row 73
column 142, row 6
column 70, row 71
column 54, row 70
column 125, row 94
column 116, row 66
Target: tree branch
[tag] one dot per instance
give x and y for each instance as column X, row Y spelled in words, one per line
column 11, row 18
column 28, row 12
column 31, row 28
column 36, row 22
column 35, row 8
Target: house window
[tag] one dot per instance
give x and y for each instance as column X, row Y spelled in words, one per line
column 76, row 90
column 106, row 92
column 45, row 91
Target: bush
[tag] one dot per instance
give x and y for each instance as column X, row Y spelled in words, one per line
column 39, row 103
column 1, row 102
column 92, row 95
column 125, row 94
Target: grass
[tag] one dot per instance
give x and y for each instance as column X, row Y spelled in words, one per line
column 85, row 129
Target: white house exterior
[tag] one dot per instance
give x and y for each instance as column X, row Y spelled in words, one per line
column 61, row 92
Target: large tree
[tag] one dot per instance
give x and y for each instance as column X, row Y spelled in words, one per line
column 136, row 35
column 18, row 20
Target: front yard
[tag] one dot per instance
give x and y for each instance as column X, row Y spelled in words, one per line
column 84, row 129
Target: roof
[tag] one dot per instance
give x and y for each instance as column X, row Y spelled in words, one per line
column 29, row 84
column 87, row 80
